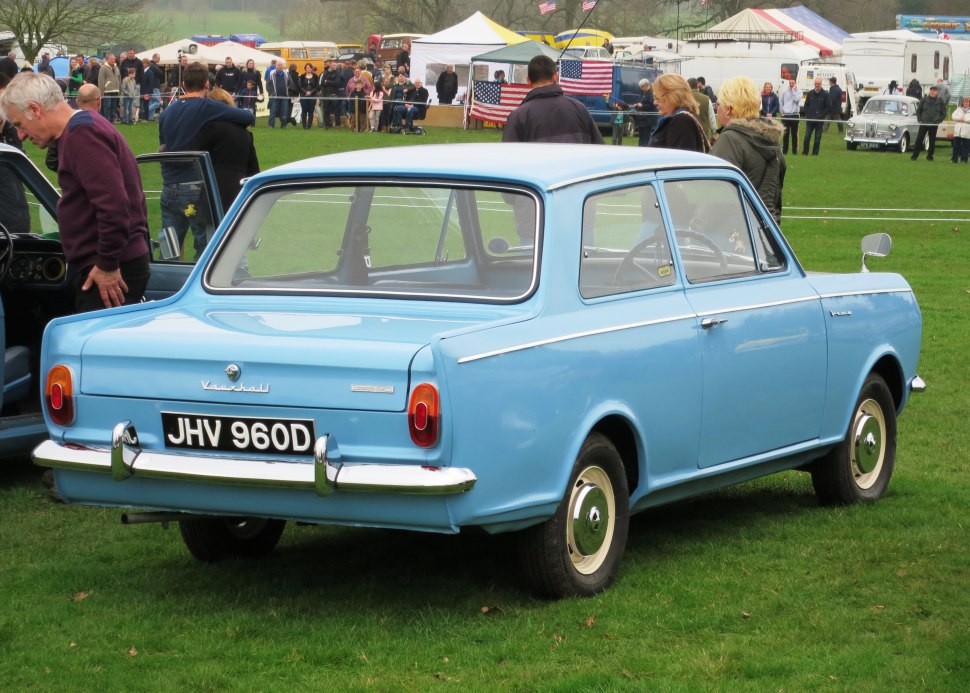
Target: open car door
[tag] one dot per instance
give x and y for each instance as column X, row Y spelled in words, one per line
column 183, row 212
column 34, row 275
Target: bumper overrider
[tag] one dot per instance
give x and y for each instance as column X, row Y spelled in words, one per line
column 125, row 459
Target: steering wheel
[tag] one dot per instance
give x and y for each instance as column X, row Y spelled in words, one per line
column 705, row 241
column 630, row 260
column 6, row 251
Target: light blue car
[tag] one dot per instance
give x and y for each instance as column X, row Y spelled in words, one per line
column 518, row 338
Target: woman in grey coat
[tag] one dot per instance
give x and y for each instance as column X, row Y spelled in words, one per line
column 750, row 142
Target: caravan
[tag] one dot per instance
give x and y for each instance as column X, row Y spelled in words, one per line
column 876, row 61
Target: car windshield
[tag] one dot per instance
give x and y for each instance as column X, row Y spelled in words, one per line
column 430, row 241
column 886, row 107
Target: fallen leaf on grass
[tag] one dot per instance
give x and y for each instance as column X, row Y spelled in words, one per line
column 745, row 614
column 79, row 596
column 491, row 609
column 590, row 620
column 132, row 652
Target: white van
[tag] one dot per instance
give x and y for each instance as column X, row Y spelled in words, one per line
column 810, row 69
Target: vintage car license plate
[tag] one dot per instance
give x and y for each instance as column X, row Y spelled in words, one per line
column 238, row 433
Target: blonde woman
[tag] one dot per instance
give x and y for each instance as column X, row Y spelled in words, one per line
column 750, row 142
column 678, row 127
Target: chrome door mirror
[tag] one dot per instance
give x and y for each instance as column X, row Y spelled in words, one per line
column 875, row 245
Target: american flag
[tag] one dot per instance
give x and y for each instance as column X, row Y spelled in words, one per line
column 588, row 5
column 547, row 7
column 592, row 77
column 493, row 101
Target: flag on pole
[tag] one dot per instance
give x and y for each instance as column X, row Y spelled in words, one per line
column 591, row 77
column 588, row 5
column 547, row 7
column 493, row 101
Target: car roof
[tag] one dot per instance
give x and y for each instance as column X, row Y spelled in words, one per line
column 545, row 166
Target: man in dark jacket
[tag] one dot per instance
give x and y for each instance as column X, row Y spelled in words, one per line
column 329, row 90
column 816, row 109
column 548, row 115
column 835, row 104
column 129, row 60
column 447, row 86
column 228, row 77
column 930, row 112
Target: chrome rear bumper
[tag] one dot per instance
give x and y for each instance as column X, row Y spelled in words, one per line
column 124, row 459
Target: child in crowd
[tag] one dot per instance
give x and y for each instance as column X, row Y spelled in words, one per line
column 130, row 93
column 376, row 108
column 246, row 97
column 618, row 118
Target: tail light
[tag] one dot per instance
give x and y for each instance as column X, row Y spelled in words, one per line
column 424, row 415
column 59, row 395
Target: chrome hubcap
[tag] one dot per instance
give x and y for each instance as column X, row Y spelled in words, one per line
column 868, row 449
column 591, row 520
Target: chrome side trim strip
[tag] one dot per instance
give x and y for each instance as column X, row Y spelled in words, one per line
column 125, row 461
column 647, row 323
column 574, row 335
column 842, row 294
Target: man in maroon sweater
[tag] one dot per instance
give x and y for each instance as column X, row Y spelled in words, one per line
column 102, row 214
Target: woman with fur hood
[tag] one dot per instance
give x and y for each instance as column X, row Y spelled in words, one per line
column 750, row 142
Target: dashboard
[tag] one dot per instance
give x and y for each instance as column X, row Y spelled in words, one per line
column 36, row 262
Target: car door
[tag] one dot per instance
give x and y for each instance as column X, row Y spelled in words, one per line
column 184, row 209
column 763, row 342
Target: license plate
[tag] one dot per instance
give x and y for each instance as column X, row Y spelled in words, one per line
column 238, row 434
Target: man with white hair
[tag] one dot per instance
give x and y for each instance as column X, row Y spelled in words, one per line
column 102, row 215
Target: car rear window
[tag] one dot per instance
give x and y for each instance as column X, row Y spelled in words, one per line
column 430, row 241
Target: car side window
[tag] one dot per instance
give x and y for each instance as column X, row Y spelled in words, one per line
column 625, row 246
column 770, row 257
column 711, row 229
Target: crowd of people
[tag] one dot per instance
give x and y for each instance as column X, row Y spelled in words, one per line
column 345, row 94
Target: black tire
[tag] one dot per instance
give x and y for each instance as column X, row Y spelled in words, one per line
column 561, row 558
column 903, row 143
column 851, row 146
column 220, row 538
column 860, row 467
column 629, row 127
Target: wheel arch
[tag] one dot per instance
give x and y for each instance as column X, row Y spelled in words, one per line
column 890, row 370
column 620, row 432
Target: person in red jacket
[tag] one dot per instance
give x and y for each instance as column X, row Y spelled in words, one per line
column 102, row 215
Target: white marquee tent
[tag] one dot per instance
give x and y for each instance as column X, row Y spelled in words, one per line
column 215, row 55
column 456, row 46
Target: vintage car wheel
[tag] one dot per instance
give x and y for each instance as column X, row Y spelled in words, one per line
column 629, row 127
column 903, row 143
column 216, row 539
column 859, row 468
column 577, row 552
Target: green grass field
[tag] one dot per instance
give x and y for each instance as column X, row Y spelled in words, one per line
column 751, row 589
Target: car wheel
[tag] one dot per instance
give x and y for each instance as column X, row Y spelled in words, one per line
column 859, row 468
column 219, row 538
column 904, row 143
column 629, row 127
column 577, row 552
column 851, row 146
column 926, row 142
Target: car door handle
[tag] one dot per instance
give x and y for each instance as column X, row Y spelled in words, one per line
column 708, row 323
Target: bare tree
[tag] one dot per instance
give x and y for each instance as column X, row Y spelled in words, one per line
column 35, row 23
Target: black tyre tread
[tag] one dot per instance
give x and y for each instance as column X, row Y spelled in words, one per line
column 211, row 540
column 542, row 548
column 832, row 476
